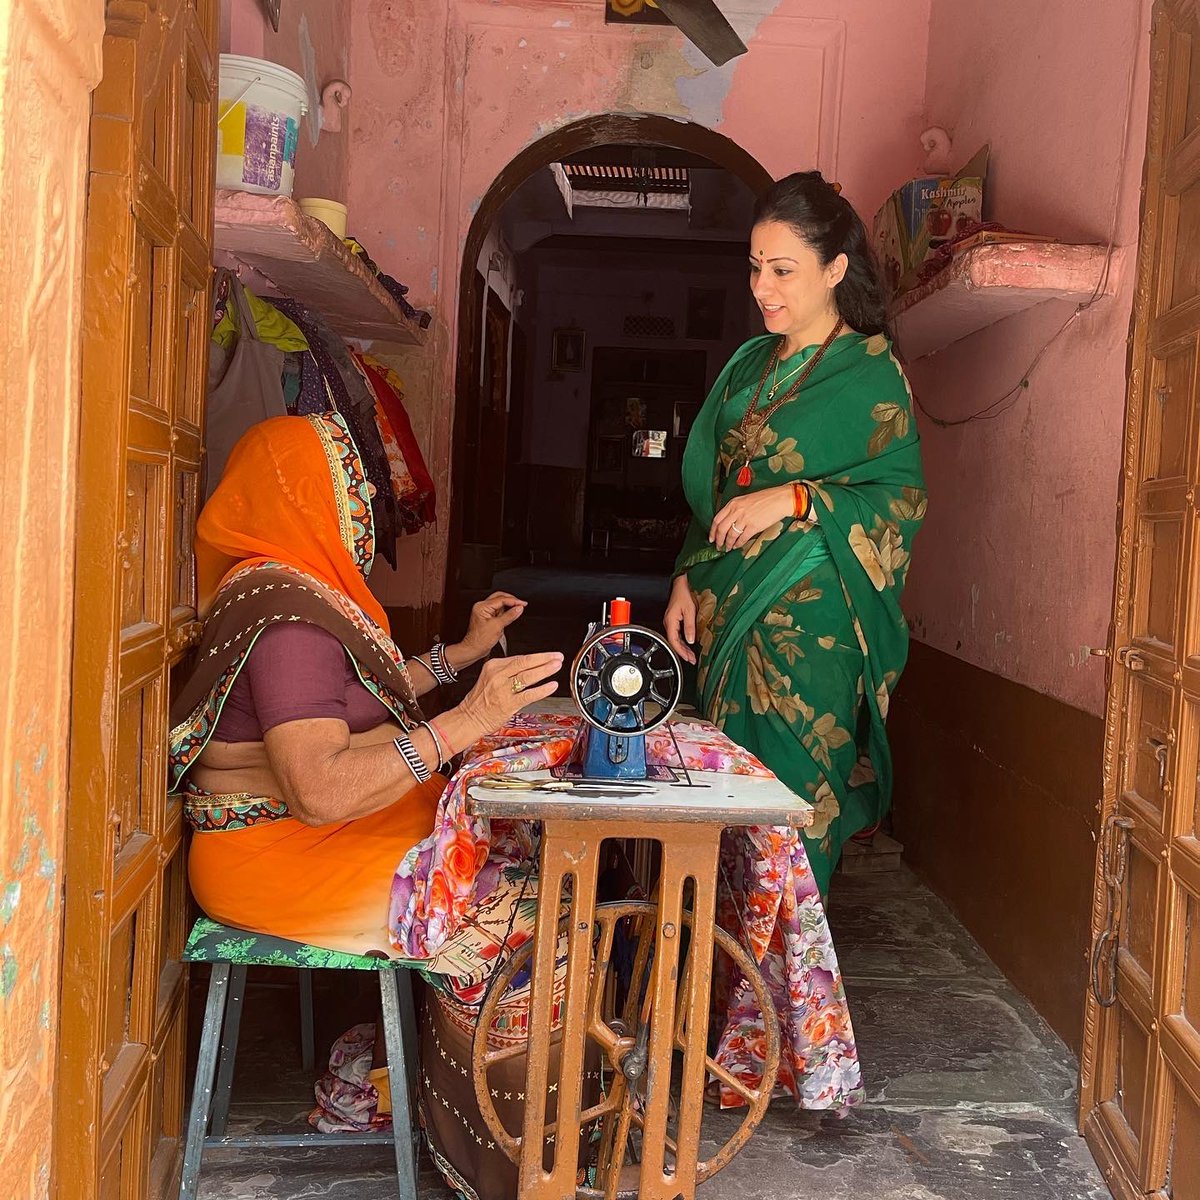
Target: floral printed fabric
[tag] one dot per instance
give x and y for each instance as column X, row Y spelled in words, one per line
column 768, row 899
column 347, row 1101
column 768, row 895
column 800, row 631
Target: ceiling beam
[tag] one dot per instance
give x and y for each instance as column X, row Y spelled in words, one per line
column 622, row 156
column 599, row 244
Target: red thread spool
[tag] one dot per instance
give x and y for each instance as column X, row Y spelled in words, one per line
column 619, row 611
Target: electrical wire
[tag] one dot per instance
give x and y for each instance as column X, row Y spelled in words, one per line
column 1005, row 402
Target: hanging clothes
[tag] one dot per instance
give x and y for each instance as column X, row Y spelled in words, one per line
column 270, row 324
column 249, row 391
column 415, row 493
column 393, row 287
column 347, row 393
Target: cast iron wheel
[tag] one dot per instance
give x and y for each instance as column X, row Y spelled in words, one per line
column 622, row 1042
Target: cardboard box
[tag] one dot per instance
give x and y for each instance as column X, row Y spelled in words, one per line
column 923, row 214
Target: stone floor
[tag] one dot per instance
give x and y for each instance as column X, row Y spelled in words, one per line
column 970, row 1094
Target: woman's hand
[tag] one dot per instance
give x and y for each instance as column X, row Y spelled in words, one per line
column 745, row 517
column 504, row 687
column 489, row 619
column 680, row 619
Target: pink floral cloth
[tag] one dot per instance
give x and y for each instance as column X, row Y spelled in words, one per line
column 767, row 898
column 347, row 1101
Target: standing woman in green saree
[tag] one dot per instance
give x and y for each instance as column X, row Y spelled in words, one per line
column 803, row 473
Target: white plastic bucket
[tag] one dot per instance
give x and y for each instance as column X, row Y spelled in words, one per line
column 258, row 125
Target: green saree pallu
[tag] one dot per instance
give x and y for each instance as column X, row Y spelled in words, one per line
column 800, row 635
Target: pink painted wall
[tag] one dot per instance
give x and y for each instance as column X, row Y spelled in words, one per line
column 1014, row 567
column 447, row 94
column 320, row 28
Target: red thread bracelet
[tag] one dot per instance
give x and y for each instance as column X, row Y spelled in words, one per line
column 440, row 736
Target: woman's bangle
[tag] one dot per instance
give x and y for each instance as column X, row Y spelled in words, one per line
column 438, row 745
column 444, row 747
column 440, row 666
column 412, row 758
column 801, row 501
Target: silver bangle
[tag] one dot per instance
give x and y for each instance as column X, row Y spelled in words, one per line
column 439, row 664
column 438, row 748
column 412, row 758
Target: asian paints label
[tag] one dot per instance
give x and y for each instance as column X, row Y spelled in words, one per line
column 270, row 141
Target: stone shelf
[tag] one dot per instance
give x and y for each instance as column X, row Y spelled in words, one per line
column 299, row 257
column 987, row 283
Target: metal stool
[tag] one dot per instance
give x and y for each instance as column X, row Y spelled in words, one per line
column 231, row 952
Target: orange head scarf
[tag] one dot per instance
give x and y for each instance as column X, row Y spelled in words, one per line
column 293, row 491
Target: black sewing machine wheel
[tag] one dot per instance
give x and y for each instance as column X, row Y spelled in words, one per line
column 626, row 680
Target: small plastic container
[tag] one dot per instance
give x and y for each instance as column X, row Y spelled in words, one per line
column 328, row 212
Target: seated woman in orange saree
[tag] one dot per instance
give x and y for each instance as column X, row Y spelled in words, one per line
column 305, row 764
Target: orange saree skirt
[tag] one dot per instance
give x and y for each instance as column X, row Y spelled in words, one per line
column 326, row 885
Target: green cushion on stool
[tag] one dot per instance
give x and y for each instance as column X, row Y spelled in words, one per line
column 210, row 941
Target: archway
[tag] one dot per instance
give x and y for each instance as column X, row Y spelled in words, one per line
column 605, row 129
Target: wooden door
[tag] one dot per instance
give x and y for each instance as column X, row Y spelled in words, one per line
column 145, row 337
column 1140, row 1093
column 514, row 540
column 491, row 465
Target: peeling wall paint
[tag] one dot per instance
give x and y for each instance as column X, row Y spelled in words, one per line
column 447, row 94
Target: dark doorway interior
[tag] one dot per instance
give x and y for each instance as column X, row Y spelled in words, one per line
column 483, row 519
column 635, row 511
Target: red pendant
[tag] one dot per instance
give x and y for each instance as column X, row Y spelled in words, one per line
column 745, row 475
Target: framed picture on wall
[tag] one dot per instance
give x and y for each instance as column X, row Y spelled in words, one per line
column 684, row 414
column 610, row 453
column 649, row 443
column 705, row 313
column 567, row 348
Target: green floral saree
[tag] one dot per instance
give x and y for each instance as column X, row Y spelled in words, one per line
column 800, row 635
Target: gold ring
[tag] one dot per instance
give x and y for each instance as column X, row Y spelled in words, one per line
column 737, row 527
column 517, row 685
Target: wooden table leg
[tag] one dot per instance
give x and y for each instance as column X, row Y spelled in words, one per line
column 689, row 852
column 571, row 849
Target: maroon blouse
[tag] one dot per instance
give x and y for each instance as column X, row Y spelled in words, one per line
column 294, row 672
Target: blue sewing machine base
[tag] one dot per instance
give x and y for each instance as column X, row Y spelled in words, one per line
column 613, row 755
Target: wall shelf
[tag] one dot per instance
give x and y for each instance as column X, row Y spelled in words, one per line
column 987, row 283
column 299, row 257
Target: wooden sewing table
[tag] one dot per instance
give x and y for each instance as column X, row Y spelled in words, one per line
column 687, row 823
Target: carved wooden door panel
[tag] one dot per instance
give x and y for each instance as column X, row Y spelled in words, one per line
column 145, row 338
column 1140, row 1095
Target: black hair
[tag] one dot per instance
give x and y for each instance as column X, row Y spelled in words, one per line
column 815, row 211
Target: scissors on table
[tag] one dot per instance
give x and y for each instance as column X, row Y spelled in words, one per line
column 580, row 787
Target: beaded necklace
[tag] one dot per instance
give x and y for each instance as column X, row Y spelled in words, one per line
column 752, row 422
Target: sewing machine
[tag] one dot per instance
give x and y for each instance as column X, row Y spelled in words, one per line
column 626, row 682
